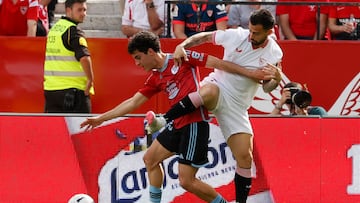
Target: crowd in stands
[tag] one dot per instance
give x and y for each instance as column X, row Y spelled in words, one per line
column 26, row 17
column 294, row 22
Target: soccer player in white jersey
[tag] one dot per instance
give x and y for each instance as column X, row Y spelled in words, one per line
column 228, row 95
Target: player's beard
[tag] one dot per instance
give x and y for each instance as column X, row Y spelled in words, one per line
column 258, row 43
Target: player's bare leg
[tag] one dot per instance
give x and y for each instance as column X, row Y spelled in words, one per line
column 188, row 180
column 241, row 146
column 152, row 159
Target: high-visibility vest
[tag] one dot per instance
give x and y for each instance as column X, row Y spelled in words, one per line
column 61, row 69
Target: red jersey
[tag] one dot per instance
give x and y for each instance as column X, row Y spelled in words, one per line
column 302, row 18
column 13, row 17
column 342, row 13
column 177, row 82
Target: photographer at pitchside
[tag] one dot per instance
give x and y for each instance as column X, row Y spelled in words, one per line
column 297, row 101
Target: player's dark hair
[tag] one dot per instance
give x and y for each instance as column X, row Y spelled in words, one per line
column 262, row 17
column 70, row 3
column 142, row 41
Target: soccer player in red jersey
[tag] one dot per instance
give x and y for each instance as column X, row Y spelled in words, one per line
column 188, row 135
column 18, row 18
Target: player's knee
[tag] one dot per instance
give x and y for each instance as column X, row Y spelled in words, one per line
column 186, row 183
column 244, row 160
column 209, row 94
column 148, row 161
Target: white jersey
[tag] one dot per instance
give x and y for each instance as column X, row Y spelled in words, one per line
column 238, row 49
column 135, row 13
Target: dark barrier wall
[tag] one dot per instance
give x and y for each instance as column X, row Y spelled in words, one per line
column 329, row 69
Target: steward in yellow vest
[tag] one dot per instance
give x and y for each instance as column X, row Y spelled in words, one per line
column 68, row 75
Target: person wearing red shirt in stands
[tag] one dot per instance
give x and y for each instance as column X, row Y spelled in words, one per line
column 18, row 17
column 299, row 22
column 43, row 18
column 344, row 22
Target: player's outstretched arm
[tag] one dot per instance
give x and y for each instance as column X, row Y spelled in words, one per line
column 195, row 40
column 123, row 108
column 266, row 73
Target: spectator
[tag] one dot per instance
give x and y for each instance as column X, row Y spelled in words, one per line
column 68, row 75
column 18, row 17
column 299, row 22
column 143, row 15
column 239, row 13
column 43, row 21
column 297, row 101
column 344, row 22
column 190, row 18
column 51, row 12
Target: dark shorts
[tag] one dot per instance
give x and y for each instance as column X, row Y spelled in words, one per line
column 189, row 142
column 67, row 101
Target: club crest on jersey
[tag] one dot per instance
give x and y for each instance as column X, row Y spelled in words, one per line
column 262, row 61
column 174, row 69
column 23, row 10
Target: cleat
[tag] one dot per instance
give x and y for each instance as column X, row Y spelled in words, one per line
column 153, row 123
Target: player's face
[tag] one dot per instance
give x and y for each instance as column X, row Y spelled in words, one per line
column 144, row 60
column 258, row 35
column 77, row 12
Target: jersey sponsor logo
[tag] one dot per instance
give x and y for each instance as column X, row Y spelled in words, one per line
column 172, row 90
column 340, row 8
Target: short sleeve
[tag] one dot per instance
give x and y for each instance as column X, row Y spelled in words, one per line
column 126, row 18
column 150, row 88
column 32, row 13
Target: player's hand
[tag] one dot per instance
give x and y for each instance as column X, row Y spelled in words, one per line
column 273, row 72
column 285, row 95
column 91, row 123
column 262, row 74
column 179, row 55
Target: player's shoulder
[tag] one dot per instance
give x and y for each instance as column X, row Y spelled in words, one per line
column 275, row 48
column 232, row 35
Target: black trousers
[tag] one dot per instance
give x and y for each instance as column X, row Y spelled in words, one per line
column 67, row 101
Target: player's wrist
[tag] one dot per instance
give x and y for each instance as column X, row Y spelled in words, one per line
column 150, row 5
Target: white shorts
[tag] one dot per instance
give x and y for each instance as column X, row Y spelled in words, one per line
column 232, row 117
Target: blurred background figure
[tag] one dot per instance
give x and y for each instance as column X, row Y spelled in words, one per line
column 51, row 11
column 299, row 22
column 18, row 17
column 143, row 15
column 43, row 19
column 239, row 13
column 344, row 22
column 191, row 18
